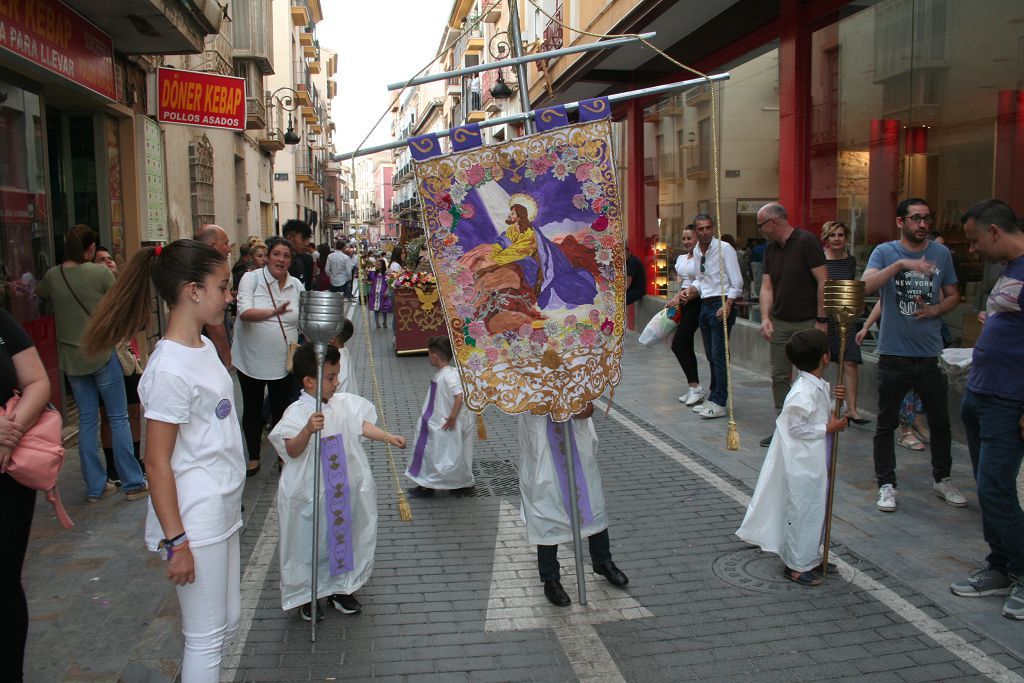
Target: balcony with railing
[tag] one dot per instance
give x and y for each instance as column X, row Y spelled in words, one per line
column 249, row 37
column 255, row 114
column 216, row 55
column 301, row 13
column 303, row 82
column 698, row 94
column 698, row 160
column 272, row 137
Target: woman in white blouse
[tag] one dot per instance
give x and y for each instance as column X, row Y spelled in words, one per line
column 682, row 344
column 268, row 321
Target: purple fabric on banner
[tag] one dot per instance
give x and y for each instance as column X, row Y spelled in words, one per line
column 557, row 444
column 337, row 504
column 597, row 108
column 551, row 117
column 423, row 147
column 421, row 440
column 466, row 137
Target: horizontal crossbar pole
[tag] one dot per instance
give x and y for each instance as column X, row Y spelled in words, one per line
column 512, row 118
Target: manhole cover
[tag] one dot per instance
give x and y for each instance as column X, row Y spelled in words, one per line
column 754, row 570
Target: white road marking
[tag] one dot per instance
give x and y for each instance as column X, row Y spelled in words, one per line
column 252, row 584
column 516, row 602
column 927, row 625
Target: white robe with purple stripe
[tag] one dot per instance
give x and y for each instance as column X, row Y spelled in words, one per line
column 447, row 455
column 344, row 414
column 544, row 508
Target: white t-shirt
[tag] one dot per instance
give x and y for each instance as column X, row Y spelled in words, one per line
column 189, row 387
column 339, row 268
column 259, row 349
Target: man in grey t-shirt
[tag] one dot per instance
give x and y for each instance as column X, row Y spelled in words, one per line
column 917, row 285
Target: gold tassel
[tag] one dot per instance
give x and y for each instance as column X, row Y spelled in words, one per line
column 732, row 439
column 481, row 428
column 404, row 511
column 611, row 397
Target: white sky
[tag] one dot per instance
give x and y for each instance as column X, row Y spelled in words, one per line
column 378, row 42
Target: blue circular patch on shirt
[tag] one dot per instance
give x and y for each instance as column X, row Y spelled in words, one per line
column 223, row 408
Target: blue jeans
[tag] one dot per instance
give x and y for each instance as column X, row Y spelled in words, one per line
column 106, row 383
column 714, row 347
column 993, row 433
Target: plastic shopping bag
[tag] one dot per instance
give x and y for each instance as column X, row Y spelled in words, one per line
column 661, row 325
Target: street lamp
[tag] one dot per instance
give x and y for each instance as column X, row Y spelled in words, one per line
column 500, row 90
column 288, row 104
column 310, row 138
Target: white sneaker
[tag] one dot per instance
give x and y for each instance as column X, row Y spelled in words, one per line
column 700, row 406
column 886, row 498
column 695, row 395
column 711, row 410
column 948, row 491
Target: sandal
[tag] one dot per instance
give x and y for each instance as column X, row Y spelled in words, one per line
column 910, row 441
column 923, row 435
column 809, row 578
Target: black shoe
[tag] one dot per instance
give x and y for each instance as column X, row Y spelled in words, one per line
column 420, row 492
column 612, row 573
column 346, row 604
column 555, row 594
column 767, row 441
column 463, row 492
column 305, row 613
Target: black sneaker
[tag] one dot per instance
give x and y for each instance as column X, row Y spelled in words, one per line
column 346, row 604
column 420, row 492
column 305, row 613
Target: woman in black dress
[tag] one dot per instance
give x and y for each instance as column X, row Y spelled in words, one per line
column 842, row 266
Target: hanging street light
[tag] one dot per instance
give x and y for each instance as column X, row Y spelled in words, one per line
column 500, row 90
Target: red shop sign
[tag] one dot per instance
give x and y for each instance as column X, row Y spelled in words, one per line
column 53, row 36
column 200, row 99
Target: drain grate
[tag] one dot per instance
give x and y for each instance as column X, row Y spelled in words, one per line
column 495, row 479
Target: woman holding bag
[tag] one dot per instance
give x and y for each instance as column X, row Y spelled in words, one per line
column 20, row 369
column 74, row 289
column 267, row 324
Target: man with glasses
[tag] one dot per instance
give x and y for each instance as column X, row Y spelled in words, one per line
column 917, row 285
column 708, row 286
column 792, row 297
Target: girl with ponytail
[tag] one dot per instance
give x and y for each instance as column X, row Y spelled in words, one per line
column 193, row 452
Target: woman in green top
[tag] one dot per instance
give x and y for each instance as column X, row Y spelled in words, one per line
column 74, row 288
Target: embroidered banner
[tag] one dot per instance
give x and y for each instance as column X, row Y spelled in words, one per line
column 525, row 239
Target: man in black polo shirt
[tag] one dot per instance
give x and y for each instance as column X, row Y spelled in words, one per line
column 792, row 291
column 636, row 279
column 298, row 233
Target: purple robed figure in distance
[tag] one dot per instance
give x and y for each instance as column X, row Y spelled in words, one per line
column 379, row 299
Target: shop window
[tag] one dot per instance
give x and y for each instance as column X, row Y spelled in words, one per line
column 200, row 170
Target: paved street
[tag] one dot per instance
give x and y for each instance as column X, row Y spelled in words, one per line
column 454, row 595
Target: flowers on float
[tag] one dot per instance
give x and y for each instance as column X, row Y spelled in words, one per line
column 408, row 279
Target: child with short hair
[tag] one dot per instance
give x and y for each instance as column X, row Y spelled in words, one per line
column 348, row 530
column 786, row 514
column 349, row 383
column 443, row 457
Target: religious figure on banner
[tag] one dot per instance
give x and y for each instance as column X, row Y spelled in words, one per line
column 526, row 243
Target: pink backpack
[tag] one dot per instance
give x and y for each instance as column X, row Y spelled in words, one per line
column 37, row 459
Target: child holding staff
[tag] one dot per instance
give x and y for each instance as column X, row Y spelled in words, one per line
column 786, row 514
column 348, row 530
column 194, row 456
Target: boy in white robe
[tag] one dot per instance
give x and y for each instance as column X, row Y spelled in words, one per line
column 443, row 455
column 347, row 376
column 786, row 514
column 348, row 527
column 543, row 483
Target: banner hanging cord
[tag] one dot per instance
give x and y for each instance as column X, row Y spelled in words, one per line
column 733, row 436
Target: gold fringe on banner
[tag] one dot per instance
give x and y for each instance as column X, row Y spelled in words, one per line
column 481, row 428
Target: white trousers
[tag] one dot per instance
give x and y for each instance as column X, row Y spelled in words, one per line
column 210, row 607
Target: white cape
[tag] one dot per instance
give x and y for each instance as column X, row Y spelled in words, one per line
column 448, row 456
column 786, row 514
column 544, row 511
column 344, row 415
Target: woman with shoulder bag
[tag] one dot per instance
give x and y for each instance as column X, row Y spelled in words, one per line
column 267, row 325
column 74, row 289
column 688, row 303
column 20, row 369
column 131, row 367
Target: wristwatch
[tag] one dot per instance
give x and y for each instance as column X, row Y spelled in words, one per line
column 821, row 319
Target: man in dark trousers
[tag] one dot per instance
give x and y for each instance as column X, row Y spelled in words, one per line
column 993, row 408
column 298, row 233
column 792, row 297
column 636, row 279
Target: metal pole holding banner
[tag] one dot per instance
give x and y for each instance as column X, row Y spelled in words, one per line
column 513, row 118
column 321, row 315
column 574, row 510
column 517, row 53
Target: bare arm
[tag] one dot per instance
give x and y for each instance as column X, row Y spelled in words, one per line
column 449, row 423
column 873, row 316
column 163, row 492
column 375, row 433
column 296, row 445
column 765, row 300
column 875, row 278
column 35, row 393
column 950, row 300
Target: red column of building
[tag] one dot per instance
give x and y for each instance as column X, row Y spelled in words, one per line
column 794, row 109
column 635, row 187
column 883, row 179
column 1009, row 162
